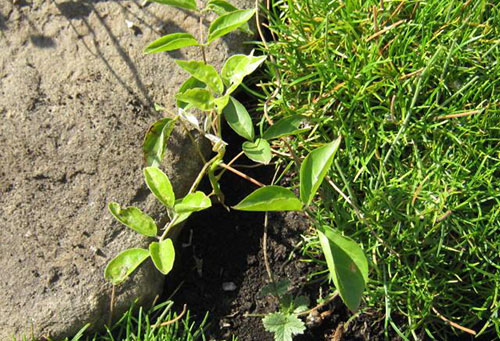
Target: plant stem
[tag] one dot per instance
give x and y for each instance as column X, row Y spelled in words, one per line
column 243, row 175
column 218, row 176
column 175, row 319
column 322, row 304
column 111, row 306
column 200, row 176
column 167, row 227
column 202, row 46
column 264, row 249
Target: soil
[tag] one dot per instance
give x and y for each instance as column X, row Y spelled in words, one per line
column 226, row 247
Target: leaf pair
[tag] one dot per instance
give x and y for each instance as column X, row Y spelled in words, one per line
column 312, row 172
column 224, row 24
column 260, row 150
column 204, row 73
column 122, row 266
column 133, row 217
column 240, row 121
column 160, row 186
column 198, row 90
column 162, row 253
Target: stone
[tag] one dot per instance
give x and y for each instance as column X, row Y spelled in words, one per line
column 76, row 98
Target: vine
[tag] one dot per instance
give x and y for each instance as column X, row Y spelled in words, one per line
column 209, row 92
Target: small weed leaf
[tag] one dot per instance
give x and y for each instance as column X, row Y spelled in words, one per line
column 237, row 67
column 238, row 119
column 193, row 202
column 314, row 169
column 190, row 83
column 221, row 7
column 286, row 304
column 228, row 22
column 163, row 255
column 300, row 304
column 199, row 98
column 283, row 326
column 134, row 218
column 258, row 151
column 120, row 267
column 185, row 4
column 160, row 186
column 276, row 289
column 204, row 73
column 270, row 198
column 171, row 42
column 156, row 139
column 347, row 264
column 285, row 127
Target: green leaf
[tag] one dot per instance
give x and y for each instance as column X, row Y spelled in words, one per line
column 314, row 169
column 275, row 288
column 193, row 202
column 228, row 22
column 199, row 98
column 221, row 103
column 283, row 326
column 179, row 218
column 185, row 4
column 221, row 7
column 156, row 139
column 285, row 127
column 163, row 255
column 237, row 67
column 190, row 83
column 171, row 42
column 270, row 198
column 204, row 73
column 120, row 267
column 258, row 151
column 286, row 304
column 300, row 304
column 238, row 118
column 134, row 218
column 160, row 186
column 347, row 265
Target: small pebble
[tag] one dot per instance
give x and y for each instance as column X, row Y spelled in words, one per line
column 228, row 286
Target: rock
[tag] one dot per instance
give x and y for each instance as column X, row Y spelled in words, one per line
column 76, row 97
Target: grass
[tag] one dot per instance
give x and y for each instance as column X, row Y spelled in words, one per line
column 145, row 325
column 413, row 89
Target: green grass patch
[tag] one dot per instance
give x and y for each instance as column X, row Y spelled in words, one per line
column 159, row 323
column 413, row 89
